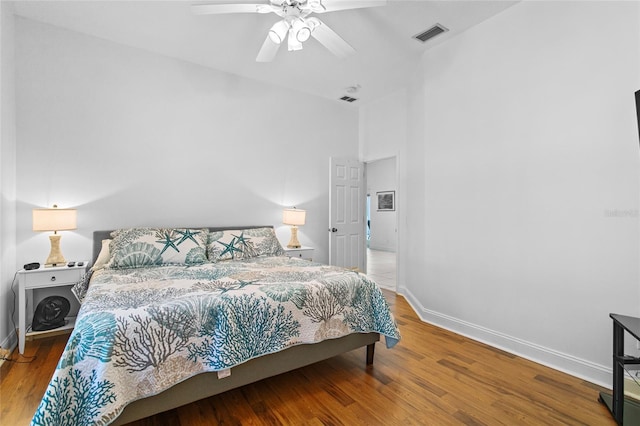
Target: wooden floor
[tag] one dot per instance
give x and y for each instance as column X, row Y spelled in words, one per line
column 433, row 377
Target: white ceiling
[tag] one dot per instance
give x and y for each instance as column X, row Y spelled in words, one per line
column 382, row 37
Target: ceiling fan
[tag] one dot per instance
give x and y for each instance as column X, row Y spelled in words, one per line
column 295, row 22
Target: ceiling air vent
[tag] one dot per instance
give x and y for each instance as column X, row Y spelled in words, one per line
column 437, row 29
column 348, row 99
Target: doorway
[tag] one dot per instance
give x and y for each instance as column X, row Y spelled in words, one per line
column 381, row 222
column 346, row 214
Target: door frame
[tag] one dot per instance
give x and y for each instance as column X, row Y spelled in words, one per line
column 398, row 197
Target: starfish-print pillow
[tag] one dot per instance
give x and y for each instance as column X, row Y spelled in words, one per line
column 243, row 244
column 143, row 247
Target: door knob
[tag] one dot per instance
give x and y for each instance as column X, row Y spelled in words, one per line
column 333, row 229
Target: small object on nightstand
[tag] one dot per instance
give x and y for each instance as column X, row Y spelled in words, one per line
column 71, row 264
column 31, row 266
column 80, row 263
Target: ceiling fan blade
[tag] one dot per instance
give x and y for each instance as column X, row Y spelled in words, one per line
column 267, row 51
column 332, row 41
column 207, row 9
column 333, row 5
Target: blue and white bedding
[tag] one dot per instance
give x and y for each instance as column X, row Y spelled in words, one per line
column 140, row 331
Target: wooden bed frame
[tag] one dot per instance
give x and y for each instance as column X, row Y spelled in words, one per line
column 208, row 384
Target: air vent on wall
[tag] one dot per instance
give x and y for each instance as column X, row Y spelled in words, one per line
column 348, row 99
column 437, row 29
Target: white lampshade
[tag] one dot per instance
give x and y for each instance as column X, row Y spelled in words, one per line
column 54, row 219
column 294, row 217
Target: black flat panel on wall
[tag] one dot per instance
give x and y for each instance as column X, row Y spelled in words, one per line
column 638, row 110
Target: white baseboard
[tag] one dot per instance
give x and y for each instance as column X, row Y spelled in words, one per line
column 10, row 342
column 382, row 248
column 584, row 369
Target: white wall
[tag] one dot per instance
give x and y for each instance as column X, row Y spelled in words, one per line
column 381, row 177
column 7, row 174
column 132, row 138
column 383, row 126
column 383, row 134
column 521, row 178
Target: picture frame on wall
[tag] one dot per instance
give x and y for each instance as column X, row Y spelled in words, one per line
column 386, row 201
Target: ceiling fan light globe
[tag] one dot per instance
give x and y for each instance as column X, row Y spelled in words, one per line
column 313, row 23
column 278, row 32
column 303, row 34
column 301, row 29
column 274, row 37
column 293, row 43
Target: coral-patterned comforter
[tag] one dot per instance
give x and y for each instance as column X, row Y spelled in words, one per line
column 139, row 331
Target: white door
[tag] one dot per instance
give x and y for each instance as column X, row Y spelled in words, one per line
column 346, row 214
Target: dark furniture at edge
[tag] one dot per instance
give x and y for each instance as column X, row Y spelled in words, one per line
column 623, row 411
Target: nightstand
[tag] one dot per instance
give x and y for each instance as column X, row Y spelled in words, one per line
column 42, row 280
column 303, row 252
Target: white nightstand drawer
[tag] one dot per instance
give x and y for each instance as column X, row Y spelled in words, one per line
column 301, row 253
column 53, row 277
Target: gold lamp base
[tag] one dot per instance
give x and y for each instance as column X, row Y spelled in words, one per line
column 55, row 255
column 293, row 242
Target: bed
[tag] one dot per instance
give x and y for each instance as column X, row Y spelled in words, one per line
column 173, row 315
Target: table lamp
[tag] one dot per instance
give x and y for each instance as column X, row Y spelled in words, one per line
column 295, row 218
column 55, row 220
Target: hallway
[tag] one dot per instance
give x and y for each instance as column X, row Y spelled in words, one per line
column 381, row 267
